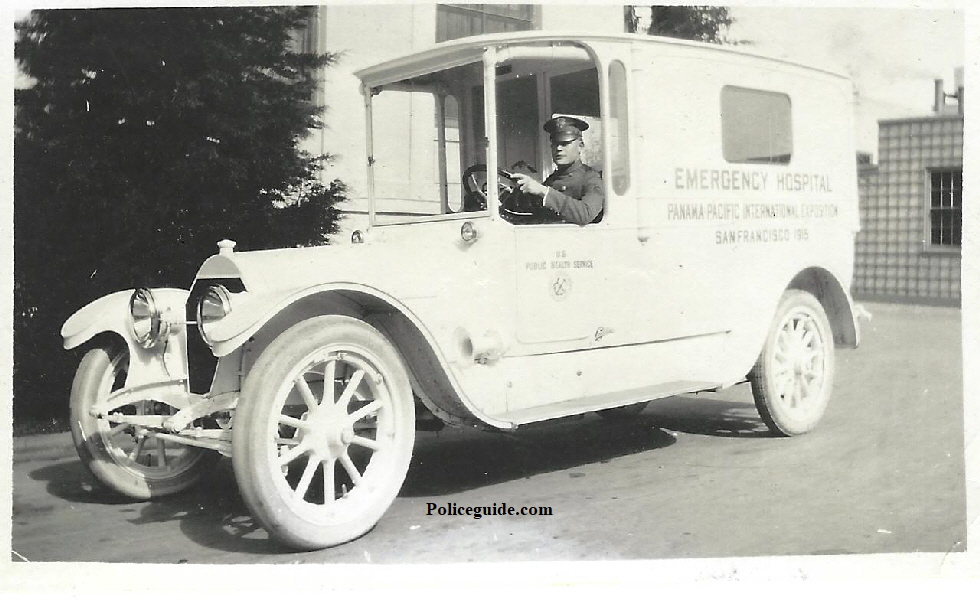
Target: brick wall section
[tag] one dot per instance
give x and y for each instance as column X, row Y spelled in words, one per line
column 893, row 261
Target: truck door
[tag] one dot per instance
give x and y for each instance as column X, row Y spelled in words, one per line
column 555, row 279
column 555, row 283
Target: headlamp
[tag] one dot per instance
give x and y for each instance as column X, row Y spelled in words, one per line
column 149, row 326
column 213, row 306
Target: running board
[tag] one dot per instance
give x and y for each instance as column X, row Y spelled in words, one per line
column 603, row 401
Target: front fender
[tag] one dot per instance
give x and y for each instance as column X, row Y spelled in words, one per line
column 259, row 318
column 110, row 314
column 826, row 286
column 253, row 310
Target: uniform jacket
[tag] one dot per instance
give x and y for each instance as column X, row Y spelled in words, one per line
column 576, row 193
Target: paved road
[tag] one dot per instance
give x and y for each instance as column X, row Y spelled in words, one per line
column 692, row 476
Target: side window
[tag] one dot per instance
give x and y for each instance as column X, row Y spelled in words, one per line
column 756, row 126
column 619, row 128
column 452, row 138
column 577, row 94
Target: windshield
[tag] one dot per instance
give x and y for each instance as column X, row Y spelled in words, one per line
column 420, row 141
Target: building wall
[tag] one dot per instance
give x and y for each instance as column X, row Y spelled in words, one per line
column 594, row 18
column 360, row 35
column 894, row 257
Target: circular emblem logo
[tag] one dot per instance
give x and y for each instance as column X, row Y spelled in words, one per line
column 561, row 286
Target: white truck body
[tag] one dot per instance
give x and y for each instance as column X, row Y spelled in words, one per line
column 729, row 180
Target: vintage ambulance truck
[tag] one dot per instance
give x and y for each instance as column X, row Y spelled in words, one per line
column 723, row 255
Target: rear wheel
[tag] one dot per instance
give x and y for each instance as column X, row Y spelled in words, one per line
column 792, row 379
column 126, row 457
column 324, row 432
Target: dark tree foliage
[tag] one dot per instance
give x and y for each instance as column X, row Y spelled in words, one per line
column 151, row 134
column 700, row 23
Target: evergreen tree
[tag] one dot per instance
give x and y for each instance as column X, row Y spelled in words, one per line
column 149, row 135
column 700, row 23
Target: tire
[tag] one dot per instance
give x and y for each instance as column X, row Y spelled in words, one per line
column 314, row 473
column 120, row 456
column 793, row 377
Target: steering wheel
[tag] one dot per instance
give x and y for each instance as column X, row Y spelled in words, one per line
column 514, row 206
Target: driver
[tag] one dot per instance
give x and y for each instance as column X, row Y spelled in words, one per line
column 574, row 191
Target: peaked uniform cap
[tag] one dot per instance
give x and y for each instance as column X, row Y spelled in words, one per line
column 565, row 129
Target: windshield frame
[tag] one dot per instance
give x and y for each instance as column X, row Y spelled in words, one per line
column 374, row 217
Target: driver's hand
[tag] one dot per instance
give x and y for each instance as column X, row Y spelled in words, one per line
column 529, row 185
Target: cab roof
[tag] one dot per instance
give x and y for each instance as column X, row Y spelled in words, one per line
column 466, row 50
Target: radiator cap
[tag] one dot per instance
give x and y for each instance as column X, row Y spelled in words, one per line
column 226, row 247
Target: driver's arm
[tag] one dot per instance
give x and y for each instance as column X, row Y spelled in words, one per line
column 579, row 211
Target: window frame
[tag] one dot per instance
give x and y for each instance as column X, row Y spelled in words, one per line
column 723, row 121
column 378, row 218
column 928, row 246
column 620, row 162
column 481, row 15
column 545, row 79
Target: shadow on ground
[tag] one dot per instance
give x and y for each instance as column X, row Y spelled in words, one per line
column 460, row 461
column 709, row 414
column 213, row 515
column 71, row 481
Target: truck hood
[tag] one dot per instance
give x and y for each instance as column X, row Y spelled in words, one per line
column 280, row 272
column 274, row 279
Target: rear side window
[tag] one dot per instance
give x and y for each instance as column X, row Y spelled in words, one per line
column 620, row 129
column 756, row 126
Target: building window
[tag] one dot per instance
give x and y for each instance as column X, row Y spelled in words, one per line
column 306, row 40
column 756, row 126
column 946, row 207
column 461, row 20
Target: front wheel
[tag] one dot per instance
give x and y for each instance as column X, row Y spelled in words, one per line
column 124, row 457
column 792, row 379
column 324, row 432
